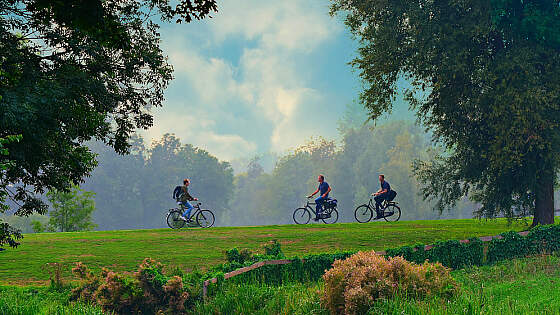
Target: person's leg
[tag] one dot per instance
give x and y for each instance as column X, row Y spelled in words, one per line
column 379, row 203
column 378, row 200
column 319, row 205
column 188, row 210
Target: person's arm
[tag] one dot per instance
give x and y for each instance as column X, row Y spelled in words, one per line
column 328, row 191
column 189, row 197
column 313, row 194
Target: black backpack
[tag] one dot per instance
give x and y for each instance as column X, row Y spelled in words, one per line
column 177, row 192
column 392, row 195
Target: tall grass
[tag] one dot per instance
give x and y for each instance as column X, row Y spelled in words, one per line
column 294, row 298
column 41, row 300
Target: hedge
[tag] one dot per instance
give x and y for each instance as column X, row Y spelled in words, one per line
column 452, row 253
column 455, row 254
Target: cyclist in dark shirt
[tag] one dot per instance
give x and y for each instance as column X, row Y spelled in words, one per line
column 381, row 194
column 325, row 189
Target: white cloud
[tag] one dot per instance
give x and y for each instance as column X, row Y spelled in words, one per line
column 265, row 80
column 199, row 132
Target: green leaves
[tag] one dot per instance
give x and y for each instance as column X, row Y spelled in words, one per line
column 72, row 210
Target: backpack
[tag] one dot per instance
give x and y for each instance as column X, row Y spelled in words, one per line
column 177, row 192
column 331, row 203
column 392, row 194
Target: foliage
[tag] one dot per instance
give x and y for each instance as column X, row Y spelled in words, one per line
column 8, row 235
column 73, row 71
column 72, row 210
column 485, row 78
column 354, row 284
column 451, row 253
column 307, row 268
column 149, row 291
column 454, row 254
column 540, row 240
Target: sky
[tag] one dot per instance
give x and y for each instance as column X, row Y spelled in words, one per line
column 259, row 76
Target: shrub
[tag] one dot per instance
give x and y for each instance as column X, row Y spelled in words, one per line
column 274, row 249
column 235, row 256
column 148, row 291
column 354, row 284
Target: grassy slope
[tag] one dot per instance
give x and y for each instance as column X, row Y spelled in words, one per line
column 188, row 248
column 520, row 286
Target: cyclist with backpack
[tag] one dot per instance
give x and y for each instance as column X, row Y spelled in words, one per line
column 181, row 194
column 382, row 194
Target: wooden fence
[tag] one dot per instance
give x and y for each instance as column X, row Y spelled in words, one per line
column 289, row 261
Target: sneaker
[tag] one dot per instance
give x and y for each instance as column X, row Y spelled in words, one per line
column 183, row 218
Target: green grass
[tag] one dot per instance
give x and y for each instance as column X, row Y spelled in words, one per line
column 201, row 248
column 41, row 300
column 521, row 286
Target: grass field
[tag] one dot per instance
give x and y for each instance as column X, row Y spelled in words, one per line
column 200, row 248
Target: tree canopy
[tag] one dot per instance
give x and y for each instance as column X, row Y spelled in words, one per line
column 485, row 79
column 73, row 71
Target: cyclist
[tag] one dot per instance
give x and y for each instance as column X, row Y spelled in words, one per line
column 325, row 189
column 184, row 199
column 381, row 194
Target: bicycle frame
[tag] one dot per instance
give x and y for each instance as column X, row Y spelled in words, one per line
column 384, row 204
column 195, row 207
column 312, row 203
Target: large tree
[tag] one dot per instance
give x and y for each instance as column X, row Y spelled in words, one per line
column 485, row 79
column 76, row 70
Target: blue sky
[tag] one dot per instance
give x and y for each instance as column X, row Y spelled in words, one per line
column 260, row 76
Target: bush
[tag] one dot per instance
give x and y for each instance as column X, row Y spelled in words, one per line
column 148, row 291
column 354, row 284
column 452, row 253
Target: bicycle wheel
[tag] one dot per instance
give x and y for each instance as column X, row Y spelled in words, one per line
column 205, row 218
column 302, row 216
column 392, row 213
column 173, row 219
column 363, row 214
column 332, row 216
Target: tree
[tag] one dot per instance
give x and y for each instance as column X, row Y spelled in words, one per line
column 73, row 71
column 485, row 78
column 8, row 235
column 71, row 210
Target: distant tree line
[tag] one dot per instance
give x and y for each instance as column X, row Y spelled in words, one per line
column 133, row 191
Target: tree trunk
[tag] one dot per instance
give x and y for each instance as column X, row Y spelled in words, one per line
column 544, row 201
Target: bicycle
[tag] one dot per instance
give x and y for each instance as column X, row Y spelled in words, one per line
column 303, row 215
column 203, row 217
column 389, row 209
